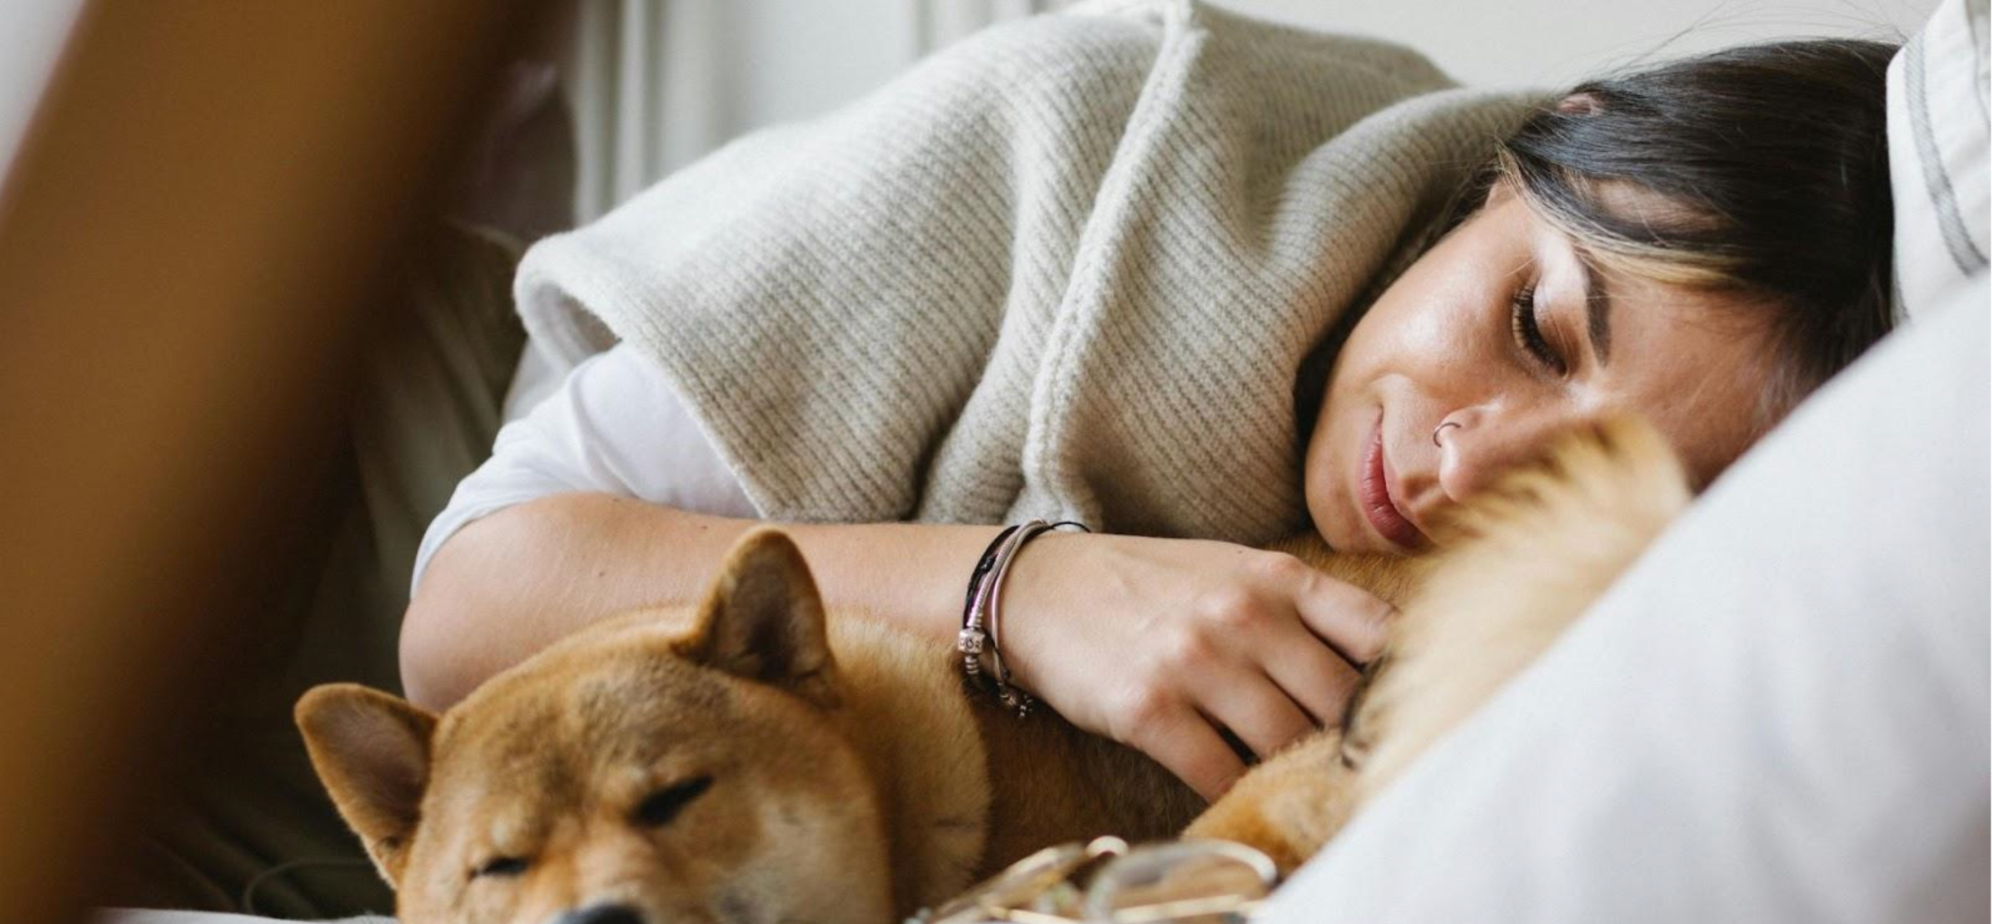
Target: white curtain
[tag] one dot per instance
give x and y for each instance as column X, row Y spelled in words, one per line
column 32, row 33
column 939, row 22
column 655, row 84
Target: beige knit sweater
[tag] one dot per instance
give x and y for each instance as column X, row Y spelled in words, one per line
column 1068, row 268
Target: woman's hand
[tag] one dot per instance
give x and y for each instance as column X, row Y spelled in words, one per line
column 1159, row 643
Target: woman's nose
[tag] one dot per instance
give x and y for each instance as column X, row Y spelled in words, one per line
column 1476, row 445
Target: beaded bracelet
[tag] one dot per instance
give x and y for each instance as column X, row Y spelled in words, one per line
column 980, row 621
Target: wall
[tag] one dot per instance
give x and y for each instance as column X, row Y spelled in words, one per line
column 657, row 83
column 1551, row 42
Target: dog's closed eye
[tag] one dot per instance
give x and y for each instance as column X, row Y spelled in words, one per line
column 660, row 807
column 501, row 867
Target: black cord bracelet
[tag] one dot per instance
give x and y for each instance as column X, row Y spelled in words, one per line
column 982, row 566
column 978, row 638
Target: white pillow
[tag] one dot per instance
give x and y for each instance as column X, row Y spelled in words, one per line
column 1937, row 155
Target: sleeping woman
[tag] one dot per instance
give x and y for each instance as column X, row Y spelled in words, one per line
column 1195, row 281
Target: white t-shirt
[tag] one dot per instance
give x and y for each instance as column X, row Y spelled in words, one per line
column 613, row 425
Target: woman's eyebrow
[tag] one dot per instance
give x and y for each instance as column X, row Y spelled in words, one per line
column 1597, row 306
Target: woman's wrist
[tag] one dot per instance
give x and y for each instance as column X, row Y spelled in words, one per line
column 1036, row 583
column 980, row 642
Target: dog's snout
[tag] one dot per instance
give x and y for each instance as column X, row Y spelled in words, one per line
column 602, row 914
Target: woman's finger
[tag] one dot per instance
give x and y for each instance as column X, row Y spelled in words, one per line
column 1261, row 715
column 1315, row 676
column 1185, row 744
column 1345, row 616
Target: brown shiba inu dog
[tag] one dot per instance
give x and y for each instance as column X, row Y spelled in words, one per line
column 749, row 760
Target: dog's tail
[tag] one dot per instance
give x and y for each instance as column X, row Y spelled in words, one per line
column 1525, row 560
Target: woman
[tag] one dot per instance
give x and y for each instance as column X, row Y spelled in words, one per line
column 1702, row 243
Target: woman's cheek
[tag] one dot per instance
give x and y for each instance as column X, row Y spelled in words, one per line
column 1422, row 344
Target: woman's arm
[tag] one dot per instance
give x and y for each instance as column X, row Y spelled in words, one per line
column 507, row 585
column 1154, row 642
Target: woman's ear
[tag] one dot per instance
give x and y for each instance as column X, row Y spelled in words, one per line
column 1579, row 104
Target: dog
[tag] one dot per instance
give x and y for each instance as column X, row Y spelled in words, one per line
column 750, row 760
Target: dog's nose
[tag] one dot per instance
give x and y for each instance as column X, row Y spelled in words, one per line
column 602, row 914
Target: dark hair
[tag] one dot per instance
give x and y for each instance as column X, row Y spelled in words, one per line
column 1761, row 169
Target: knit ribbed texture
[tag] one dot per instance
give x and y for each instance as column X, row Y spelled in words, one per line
column 1068, row 269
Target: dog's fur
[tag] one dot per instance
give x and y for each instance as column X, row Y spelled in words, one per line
column 1521, row 563
column 748, row 760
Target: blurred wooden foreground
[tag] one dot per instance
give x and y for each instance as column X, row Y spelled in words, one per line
column 189, row 243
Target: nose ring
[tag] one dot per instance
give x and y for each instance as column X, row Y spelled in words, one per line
column 1441, row 429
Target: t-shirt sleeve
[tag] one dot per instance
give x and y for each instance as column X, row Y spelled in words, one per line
column 615, row 425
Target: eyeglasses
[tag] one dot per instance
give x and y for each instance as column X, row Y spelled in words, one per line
column 1105, row 882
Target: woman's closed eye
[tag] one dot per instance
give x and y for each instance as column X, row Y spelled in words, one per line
column 1527, row 331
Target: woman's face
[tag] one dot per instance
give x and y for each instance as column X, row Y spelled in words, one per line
column 1494, row 341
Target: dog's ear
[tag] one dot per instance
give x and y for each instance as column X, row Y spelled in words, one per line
column 763, row 620
column 372, row 752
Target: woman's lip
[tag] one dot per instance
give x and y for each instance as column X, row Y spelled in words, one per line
column 1378, row 506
